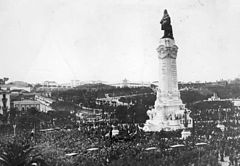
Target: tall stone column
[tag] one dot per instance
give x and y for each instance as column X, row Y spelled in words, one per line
column 168, row 92
column 167, row 54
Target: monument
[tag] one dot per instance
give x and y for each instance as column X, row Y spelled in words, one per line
column 169, row 113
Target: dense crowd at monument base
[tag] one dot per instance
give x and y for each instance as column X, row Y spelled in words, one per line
column 91, row 146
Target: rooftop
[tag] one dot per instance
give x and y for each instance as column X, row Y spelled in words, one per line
column 26, row 102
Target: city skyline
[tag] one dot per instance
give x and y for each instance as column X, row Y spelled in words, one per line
column 113, row 40
column 84, row 82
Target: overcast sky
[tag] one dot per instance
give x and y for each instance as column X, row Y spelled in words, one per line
column 111, row 40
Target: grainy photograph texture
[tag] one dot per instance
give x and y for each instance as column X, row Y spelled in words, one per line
column 119, row 83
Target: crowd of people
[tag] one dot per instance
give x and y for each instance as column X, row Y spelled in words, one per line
column 118, row 143
column 127, row 144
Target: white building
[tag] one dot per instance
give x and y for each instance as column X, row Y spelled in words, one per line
column 45, row 103
column 50, row 84
column 26, row 104
column 75, row 83
column 15, row 87
column 127, row 83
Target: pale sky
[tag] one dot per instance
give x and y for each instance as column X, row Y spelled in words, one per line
column 110, row 40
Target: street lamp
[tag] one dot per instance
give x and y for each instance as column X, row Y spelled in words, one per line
column 200, row 147
column 14, row 130
column 221, row 146
column 185, row 133
column 185, row 119
column 222, row 128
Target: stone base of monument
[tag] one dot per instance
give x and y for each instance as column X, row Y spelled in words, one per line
column 167, row 118
column 185, row 133
column 168, row 125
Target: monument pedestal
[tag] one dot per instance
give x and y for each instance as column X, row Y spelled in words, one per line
column 169, row 112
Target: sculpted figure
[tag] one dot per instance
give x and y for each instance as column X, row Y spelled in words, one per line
column 4, row 101
column 166, row 25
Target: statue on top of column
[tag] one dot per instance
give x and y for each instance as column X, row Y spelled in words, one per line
column 166, row 25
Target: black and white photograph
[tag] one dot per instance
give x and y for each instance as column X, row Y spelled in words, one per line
column 119, row 83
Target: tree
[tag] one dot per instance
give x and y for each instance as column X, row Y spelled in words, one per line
column 140, row 113
column 122, row 114
column 13, row 113
column 15, row 154
column 209, row 159
column 3, row 80
column 29, row 119
column 62, row 118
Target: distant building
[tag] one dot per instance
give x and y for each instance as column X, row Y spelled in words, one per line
column 214, row 97
column 18, row 92
column 94, row 82
column 113, row 101
column 13, row 87
column 196, row 85
column 50, row 84
column 75, row 83
column 65, row 85
column 45, row 103
column 26, row 104
column 89, row 115
column 127, row 83
column 37, row 101
column 28, row 96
